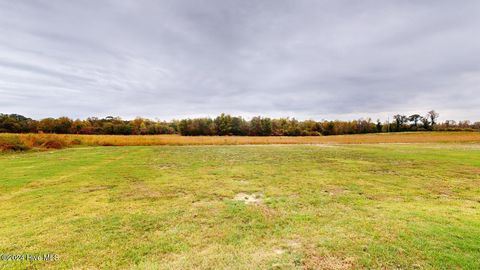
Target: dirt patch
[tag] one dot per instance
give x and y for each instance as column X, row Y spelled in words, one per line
column 441, row 191
column 254, row 198
column 334, row 191
column 294, row 244
column 289, row 246
column 203, row 204
column 327, row 262
column 96, row 188
column 475, row 170
column 141, row 191
column 242, row 182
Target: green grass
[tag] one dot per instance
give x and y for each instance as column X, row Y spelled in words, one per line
column 172, row 207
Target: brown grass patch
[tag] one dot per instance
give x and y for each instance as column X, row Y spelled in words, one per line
column 335, row 191
column 12, row 144
column 52, row 144
column 140, row 191
column 96, row 188
column 37, row 140
column 327, row 262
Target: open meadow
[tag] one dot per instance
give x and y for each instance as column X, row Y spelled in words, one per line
column 335, row 206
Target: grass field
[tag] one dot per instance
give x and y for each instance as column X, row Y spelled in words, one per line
column 244, row 207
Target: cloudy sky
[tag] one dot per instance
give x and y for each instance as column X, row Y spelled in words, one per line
column 186, row 58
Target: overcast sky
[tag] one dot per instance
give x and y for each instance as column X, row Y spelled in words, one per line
column 186, row 58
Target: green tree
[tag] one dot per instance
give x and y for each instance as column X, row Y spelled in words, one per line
column 223, row 124
column 415, row 118
column 400, row 120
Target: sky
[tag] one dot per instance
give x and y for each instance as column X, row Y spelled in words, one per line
column 309, row 59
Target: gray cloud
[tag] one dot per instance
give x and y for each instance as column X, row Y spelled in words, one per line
column 186, row 58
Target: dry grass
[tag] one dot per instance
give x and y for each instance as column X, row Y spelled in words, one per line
column 39, row 140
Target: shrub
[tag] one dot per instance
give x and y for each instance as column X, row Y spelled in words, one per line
column 12, row 144
column 106, row 144
column 34, row 140
column 76, row 142
column 52, row 144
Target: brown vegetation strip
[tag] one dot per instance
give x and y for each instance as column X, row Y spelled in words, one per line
column 45, row 140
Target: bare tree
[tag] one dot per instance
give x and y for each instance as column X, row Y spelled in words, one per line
column 433, row 115
column 425, row 122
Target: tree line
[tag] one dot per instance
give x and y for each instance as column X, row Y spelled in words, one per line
column 226, row 125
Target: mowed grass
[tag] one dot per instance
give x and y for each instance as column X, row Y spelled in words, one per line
column 171, row 207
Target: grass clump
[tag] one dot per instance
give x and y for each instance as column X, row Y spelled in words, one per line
column 12, row 144
column 52, row 144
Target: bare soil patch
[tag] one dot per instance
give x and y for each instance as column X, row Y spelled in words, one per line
column 254, row 198
column 96, row 188
column 327, row 262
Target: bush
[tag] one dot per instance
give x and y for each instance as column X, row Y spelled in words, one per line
column 76, row 142
column 106, row 144
column 52, row 144
column 12, row 144
column 34, row 140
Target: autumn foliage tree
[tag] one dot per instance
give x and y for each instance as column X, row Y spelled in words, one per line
column 227, row 125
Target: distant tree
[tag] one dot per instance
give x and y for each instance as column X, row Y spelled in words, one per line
column 414, row 118
column 260, row 126
column 328, row 128
column 255, row 126
column 464, row 124
column 17, row 123
column 425, row 122
column 363, row 126
column 433, row 115
column 47, row 125
column 293, row 128
column 450, row 123
column 238, row 126
column 138, row 126
column 204, row 126
column 76, row 126
column 123, row 128
column 9, row 124
column 266, row 126
column 310, row 128
column 400, row 120
column 223, row 124
column 280, row 126
column 184, row 127
column 62, row 125
column 379, row 126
